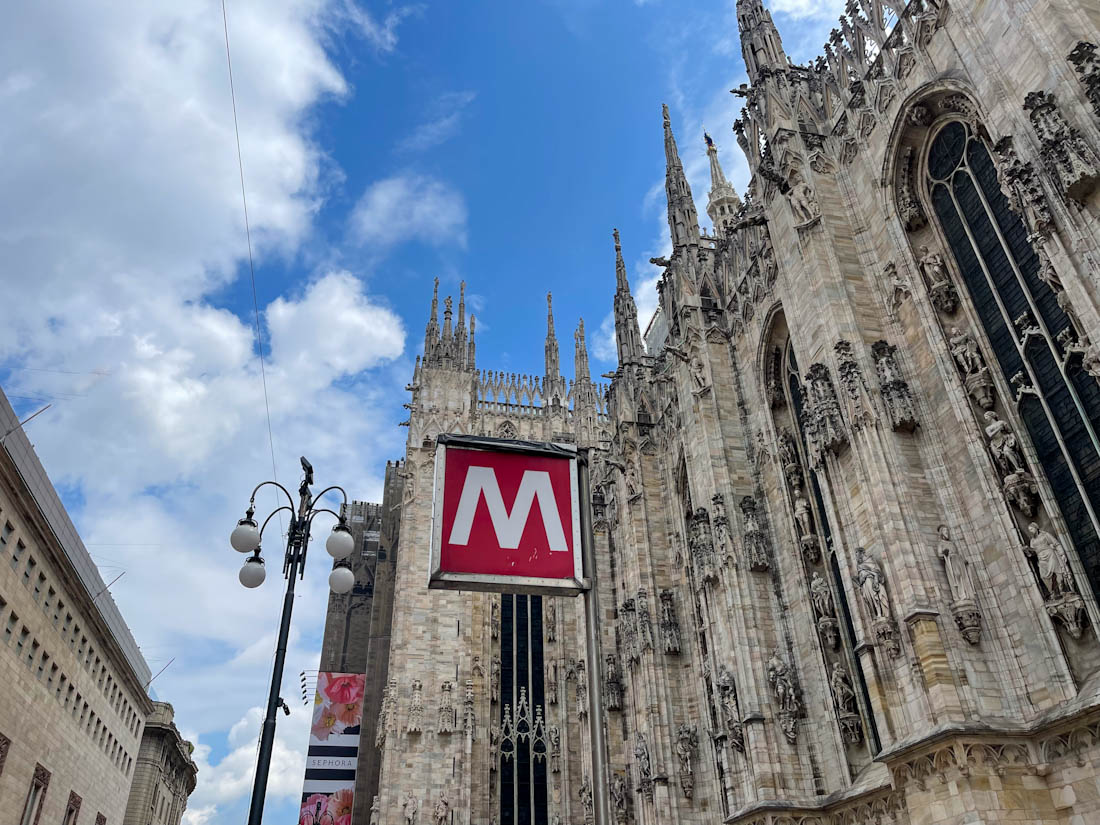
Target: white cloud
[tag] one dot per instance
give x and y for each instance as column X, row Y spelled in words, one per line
column 409, row 207
column 122, row 238
column 444, row 118
column 800, row 9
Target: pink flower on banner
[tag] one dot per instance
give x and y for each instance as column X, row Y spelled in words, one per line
column 344, row 689
column 312, row 808
column 339, row 805
column 325, row 723
column 350, row 715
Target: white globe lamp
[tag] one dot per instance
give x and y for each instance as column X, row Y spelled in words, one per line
column 341, row 580
column 340, row 542
column 253, row 573
column 245, row 536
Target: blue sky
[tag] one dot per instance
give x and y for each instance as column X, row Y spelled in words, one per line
column 384, row 145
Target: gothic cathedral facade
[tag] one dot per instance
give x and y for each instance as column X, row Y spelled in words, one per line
column 846, row 484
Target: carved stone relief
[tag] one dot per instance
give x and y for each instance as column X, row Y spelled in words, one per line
column 670, row 625
column 613, row 683
column 1069, row 159
column 896, row 394
column 416, row 708
column 1087, row 65
column 701, row 544
column 1021, row 186
column 909, row 206
column 645, row 626
column 755, row 539
column 860, row 409
column 469, row 718
column 446, row 708
column 723, row 540
column 825, row 429
column 628, row 629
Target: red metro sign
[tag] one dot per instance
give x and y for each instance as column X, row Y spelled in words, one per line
column 505, row 517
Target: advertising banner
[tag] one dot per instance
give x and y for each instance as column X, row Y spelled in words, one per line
column 329, row 786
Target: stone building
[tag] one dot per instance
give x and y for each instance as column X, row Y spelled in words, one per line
column 164, row 774
column 357, row 625
column 846, row 486
column 74, row 704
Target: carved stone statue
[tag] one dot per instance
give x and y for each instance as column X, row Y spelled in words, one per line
column 613, row 689
column 843, row 694
column 822, row 597
column 940, row 289
column 1052, row 561
column 554, row 735
column 966, row 353
column 872, row 585
column 786, row 696
column 409, row 808
column 687, row 746
column 585, row 793
column 802, row 514
column 803, row 203
column 549, row 620
column 1003, row 445
column 494, row 617
column 698, row 372
column 641, row 758
column 618, row 799
column 372, row 818
column 958, row 576
column 495, row 677
column 442, row 811
column 670, row 624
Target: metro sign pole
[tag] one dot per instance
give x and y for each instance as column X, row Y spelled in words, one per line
column 480, row 543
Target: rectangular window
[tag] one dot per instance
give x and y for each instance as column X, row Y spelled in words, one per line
column 32, row 652
column 24, row 637
column 57, row 611
column 72, row 811
column 29, row 571
column 35, row 797
column 9, row 628
column 51, row 594
column 39, row 586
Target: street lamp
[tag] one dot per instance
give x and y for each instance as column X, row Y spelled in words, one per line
column 246, row 538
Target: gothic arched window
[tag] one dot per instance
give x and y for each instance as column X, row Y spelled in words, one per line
column 1027, row 330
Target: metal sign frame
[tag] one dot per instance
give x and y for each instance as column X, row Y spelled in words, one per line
column 439, row 579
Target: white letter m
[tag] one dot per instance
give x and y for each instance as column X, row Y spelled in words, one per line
column 508, row 526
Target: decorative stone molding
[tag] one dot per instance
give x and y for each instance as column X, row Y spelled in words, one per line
column 687, row 748
column 670, row 624
column 469, row 718
column 909, row 206
column 895, row 389
column 823, row 422
column 971, row 365
column 416, row 708
column 701, row 544
column 860, row 409
column 100, row 819
column 1087, row 65
column 876, row 599
column 1019, row 485
column 1021, row 186
column 645, row 625
column 628, row 630
column 613, row 683
column 755, row 539
column 786, row 696
column 1070, row 160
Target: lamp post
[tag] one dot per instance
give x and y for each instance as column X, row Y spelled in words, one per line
column 245, row 538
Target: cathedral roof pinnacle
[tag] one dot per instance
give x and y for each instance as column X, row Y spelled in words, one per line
column 683, row 220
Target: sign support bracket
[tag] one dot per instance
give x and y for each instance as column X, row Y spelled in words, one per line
column 601, row 793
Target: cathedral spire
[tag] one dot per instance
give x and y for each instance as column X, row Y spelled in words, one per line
column 628, row 336
column 431, row 332
column 761, row 45
column 683, row 220
column 460, row 327
column 471, row 361
column 723, row 203
column 581, row 374
column 553, row 363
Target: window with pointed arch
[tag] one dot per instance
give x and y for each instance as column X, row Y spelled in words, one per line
column 798, row 480
column 1027, row 330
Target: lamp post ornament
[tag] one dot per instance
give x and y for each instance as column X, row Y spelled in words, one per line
column 245, row 538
